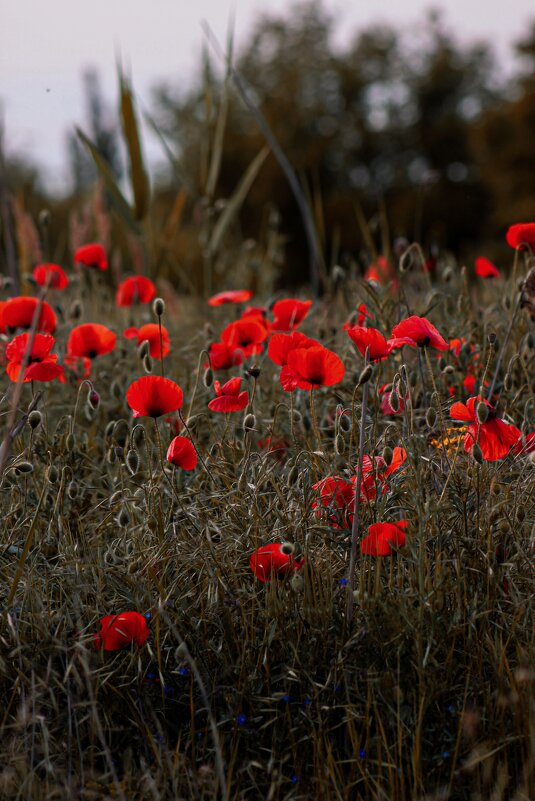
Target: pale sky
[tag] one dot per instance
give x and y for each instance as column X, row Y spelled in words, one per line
column 47, row 43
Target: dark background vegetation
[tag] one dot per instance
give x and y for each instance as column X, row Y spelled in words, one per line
column 420, row 131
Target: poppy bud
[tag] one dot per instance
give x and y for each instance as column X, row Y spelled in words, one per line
column 24, row 467
column 70, row 442
column 530, row 340
column 508, row 382
column 477, row 453
column 181, row 652
column 307, row 425
column 158, row 307
column 442, row 363
column 52, row 474
column 192, row 421
column 431, row 417
column 413, row 378
column 111, row 456
column 365, row 375
column 482, row 412
column 297, row 583
column 394, row 401
column 35, row 418
column 293, row 475
column 72, row 490
column 339, row 444
column 143, row 349
column 108, row 431
column 93, row 399
column 254, row 371
column 492, row 338
column 124, row 517
column 448, row 370
column 297, row 416
column 147, row 363
column 132, row 461
column 208, row 378
column 249, row 423
column 345, row 423
column 388, row 454
column 76, row 310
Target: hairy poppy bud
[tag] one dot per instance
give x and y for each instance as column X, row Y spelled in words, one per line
column 147, row 363
column 76, row 310
column 52, row 474
column 254, row 371
column 132, row 461
column 448, row 369
column 143, row 349
column 508, row 382
column 93, row 399
column 482, row 412
column 506, row 303
column 70, row 442
column 530, row 340
column 307, row 425
column 288, row 548
column 297, row 583
column 447, row 275
column 249, row 423
column 365, row 375
column 208, row 378
column 477, row 453
column 413, row 378
column 111, row 456
column 72, row 490
column 181, row 652
column 24, row 467
column 339, row 444
column 35, row 418
column 394, row 401
column 388, row 454
column 158, row 307
column 492, row 338
column 293, row 475
column 431, row 417
column 338, row 275
column 345, row 423
column 124, row 517
column 297, row 416
column 108, row 431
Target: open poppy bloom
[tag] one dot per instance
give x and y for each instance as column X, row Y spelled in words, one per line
column 136, row 289
column 18, row 313
column 223, row 356
column 182, row 454
column 375, row 472
column 525, row 445
column 289, row 313
column 50, row 275
column 486, row 269
column 246, row 335
column 337, row 496
column 380, row 272
column 280, row 345
column 41, row 364
column 230, row 296
column 383, row 538
column 421, row 331
column 151, row 333
column 228, row 397
column 118, row 631
column 495, row 437
column 521, row 235
column 372, row 339
column 92, row 255
column 275, row 561
column 153, row 396
column 90, row 340
column 308, row 368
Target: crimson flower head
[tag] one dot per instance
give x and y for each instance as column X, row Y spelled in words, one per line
column 486, row 269
column 153, row 396
column 151, row 333
column 18, row 313
column 383, row 538
column 228, row 397
column 136, row 289
column 521, row 235
column 246, row 335
column 308, row 368
column 372, row 339
column 118, row 631
column 381, row 271
column 421, row 331
column 92, row 255
column 90, row 340
column 223, row 356
column 50, row 275
column 41, row 364
column 289, row 313
column 495, row 436
column 280, row 345
column 275, row 561
column 182, row 454
column 230, row 296
column 337, row 496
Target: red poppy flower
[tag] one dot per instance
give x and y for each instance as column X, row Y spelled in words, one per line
column 274, row 447
column 153, row 396
column 182, row 454
column 275, row 560
column 230, row 296
column 92, row 255
column 521, row 235
column 255, row 311
column 118, row 631
column 383, row 538
column 136, row 289
column 495, row 437
column 223, row 356
column 486, row 269
column 421, row 331
column 41, row 364
column 280, row 345
column 375, row 471
column 245, row 335
column 151, row 333
column 525, row 445
column 337, row 495
column 90, row 340
column 18, row 313
column 363, row 316
column 229, row 398
column 51, row 275
column 289, row 313
column 378, row 347
column 380, row 271
column 308, row 368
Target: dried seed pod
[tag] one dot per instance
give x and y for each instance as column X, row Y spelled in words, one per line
column 158, row 307
column 492, row 339
column 35, row 418
column 288, row 548
column 253, row 371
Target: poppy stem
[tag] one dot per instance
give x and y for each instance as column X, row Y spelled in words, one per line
column 161, row 344
column 356, row 512
column 197, row 377
column 314, row 420
column 197, row 451
column 504, row 345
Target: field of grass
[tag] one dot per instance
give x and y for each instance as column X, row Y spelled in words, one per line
column 421, row 687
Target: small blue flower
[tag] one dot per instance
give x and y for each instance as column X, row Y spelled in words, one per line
column 159, row 738
column 342, row 582
column 307, row 700
column 295, row 778
column 445, row 755
column 151, row 675
column 450, row 708
column 167, row 689
column 241, row 719
column 147, row 616
column 184, row 671
column 362, row 753
column 285, row 698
